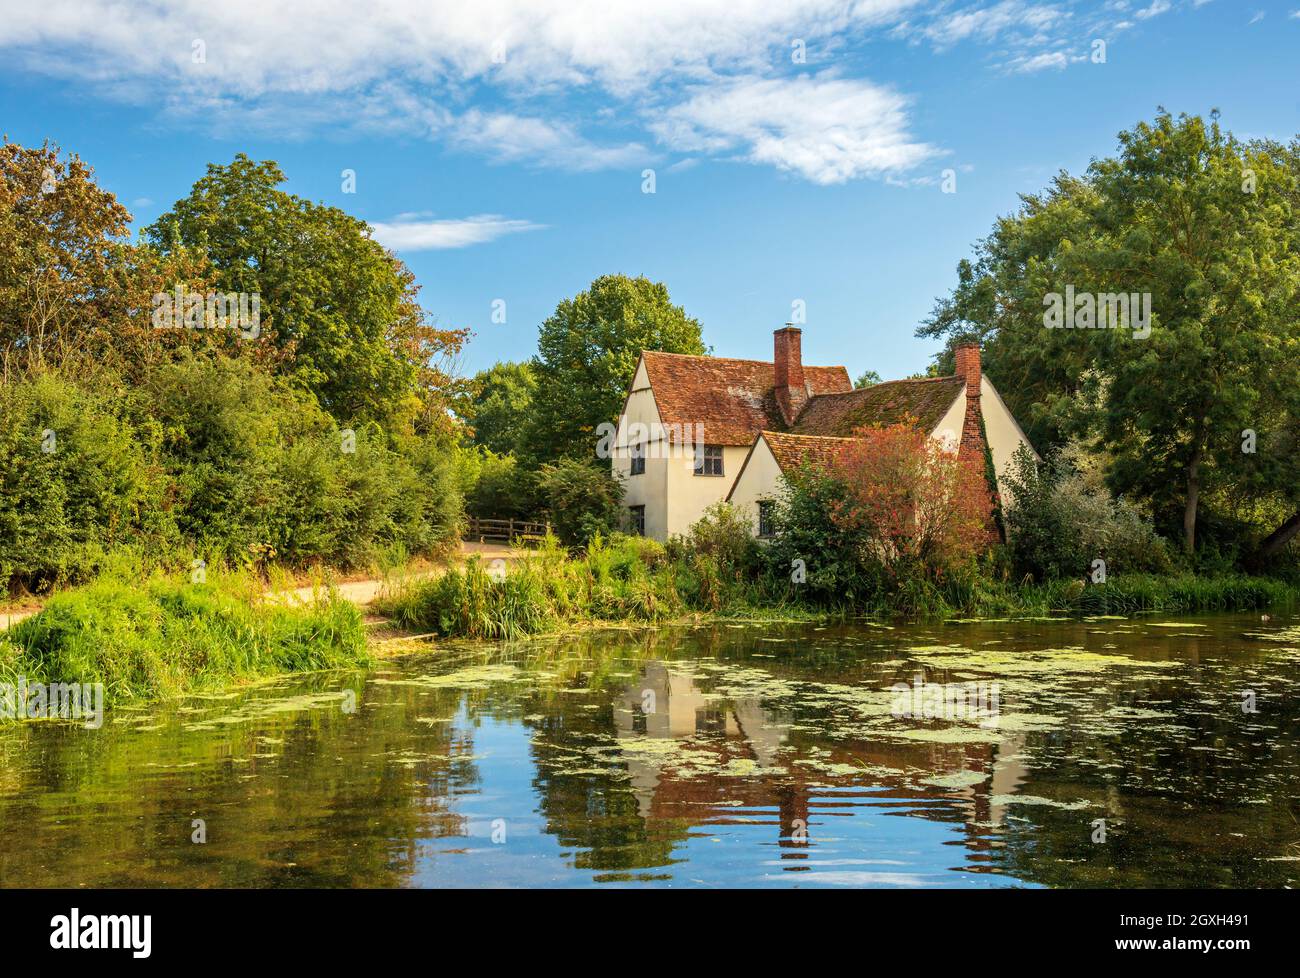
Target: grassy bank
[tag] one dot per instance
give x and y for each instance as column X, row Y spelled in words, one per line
column 163, row 637
column 1139, row 593
column 634, row 580
column 628, row 579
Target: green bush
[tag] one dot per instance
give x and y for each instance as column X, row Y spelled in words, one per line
column 724, row 534
column 163, row 638
column 812, row 559
column 1060, row 518
column 582, row 499
column 497, row 487
column 77, row 480
column 210, row 456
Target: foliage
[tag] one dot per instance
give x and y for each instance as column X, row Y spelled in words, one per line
column 868, row 378
column 1207, row 226
column 72, row 289
column 631, row 579
column 334, row 302
column 723, row 534
column 920, row 509
column 812, row 557
column 622, row 578
column 582, row 499
column 587, row 353
column 77, row 480
column 498, row 406
column 1138, row 593
column 497, row 486
column 163, row 638
column 212, row 457
column 1061, row 518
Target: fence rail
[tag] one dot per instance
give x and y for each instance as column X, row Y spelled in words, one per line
column 504, row 530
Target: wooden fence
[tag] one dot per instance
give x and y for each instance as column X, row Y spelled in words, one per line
column 507, row 531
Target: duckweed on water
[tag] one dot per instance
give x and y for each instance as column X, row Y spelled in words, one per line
column 553, row 732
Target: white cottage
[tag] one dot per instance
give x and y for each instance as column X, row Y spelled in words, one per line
column 696, row 430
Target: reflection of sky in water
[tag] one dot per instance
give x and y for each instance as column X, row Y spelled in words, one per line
column 742, row 756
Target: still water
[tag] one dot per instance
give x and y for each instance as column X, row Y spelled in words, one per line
column 1104, row 752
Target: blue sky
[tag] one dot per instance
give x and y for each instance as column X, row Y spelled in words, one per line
column 499, row 146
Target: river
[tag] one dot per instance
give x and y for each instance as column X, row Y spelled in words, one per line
column 1101, row 753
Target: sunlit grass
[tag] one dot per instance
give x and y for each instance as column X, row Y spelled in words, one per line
column 165, row 636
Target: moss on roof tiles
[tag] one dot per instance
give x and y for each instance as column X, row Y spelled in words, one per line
column 791, row 451
column 838, row 415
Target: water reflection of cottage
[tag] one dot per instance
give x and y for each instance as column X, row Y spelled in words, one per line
column 663, row 704
column 666, row 704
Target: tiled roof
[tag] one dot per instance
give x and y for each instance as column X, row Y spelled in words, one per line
column 732, row 399
column 791, row 451
column 837, row 415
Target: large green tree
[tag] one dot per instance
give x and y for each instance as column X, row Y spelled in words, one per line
column 587, row 353
column 341, row 308
column 74, row 291
column 1207, row 226
column 498, row 405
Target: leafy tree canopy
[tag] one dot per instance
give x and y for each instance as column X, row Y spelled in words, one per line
column 498, row 404
column 341, row 308
column 587, row 353
column 1209, row 229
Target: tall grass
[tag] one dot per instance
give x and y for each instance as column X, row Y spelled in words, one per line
column 623, row 579
column 164, row 637
column 631, row 579
column 1147, row 592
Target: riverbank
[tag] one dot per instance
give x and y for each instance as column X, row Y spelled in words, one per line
column 163, row 638
column 166, row 637
column 632, row 580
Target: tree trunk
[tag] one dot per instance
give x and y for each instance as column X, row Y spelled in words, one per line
column 1193, row 497
column 1280, row 537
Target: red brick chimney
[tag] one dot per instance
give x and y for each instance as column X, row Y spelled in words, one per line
column 972, row 435
column 791, row 390
column 968, row 367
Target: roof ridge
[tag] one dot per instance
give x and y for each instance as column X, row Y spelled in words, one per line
column 765, row 363
column 792, row 434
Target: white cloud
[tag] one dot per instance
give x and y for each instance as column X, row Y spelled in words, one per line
column 1157, row 7
column 252, row 47
column 989, row 23
column 825, row 129
column 511, row 138
column 1039, row 62
column 411, row 232
column 577, row 84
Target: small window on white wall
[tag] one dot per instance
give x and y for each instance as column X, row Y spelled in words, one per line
column 708, row 460
column 638, row 459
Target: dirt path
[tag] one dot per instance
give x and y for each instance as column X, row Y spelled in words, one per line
column 359, row 592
